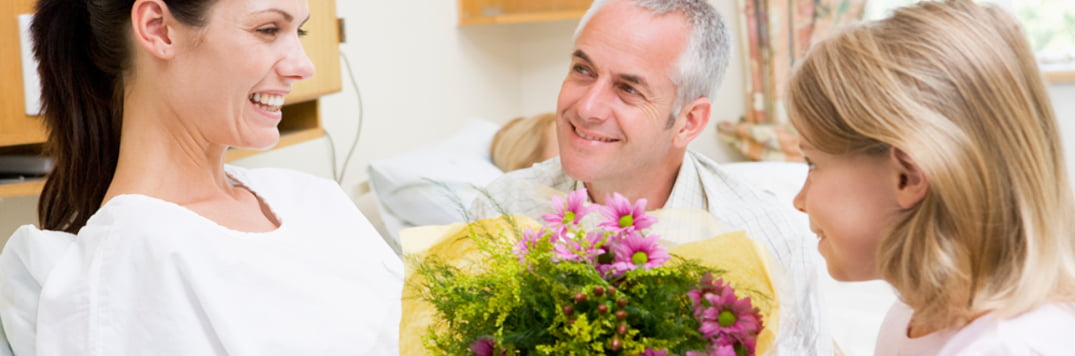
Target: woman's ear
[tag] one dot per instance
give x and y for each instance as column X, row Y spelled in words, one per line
column 913, row 184
column 150, row 21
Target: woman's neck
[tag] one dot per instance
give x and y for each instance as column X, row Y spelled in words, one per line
column 159, row 159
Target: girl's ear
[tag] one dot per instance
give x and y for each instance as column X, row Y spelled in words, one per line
column 912, row 182
column 150, row 22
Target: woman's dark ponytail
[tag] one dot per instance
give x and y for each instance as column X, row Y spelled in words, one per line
column 83, row 50
column 81, row 97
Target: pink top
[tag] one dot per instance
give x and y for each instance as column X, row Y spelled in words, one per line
column 1046, row 330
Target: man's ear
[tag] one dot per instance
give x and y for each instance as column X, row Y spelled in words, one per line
column 692, row 120
column 912, row 183
column 150, row 22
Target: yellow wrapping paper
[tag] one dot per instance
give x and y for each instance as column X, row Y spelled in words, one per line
column 743, row 260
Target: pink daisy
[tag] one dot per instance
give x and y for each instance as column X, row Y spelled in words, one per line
column 635, row 250
column 624, row 218
column 568, row 212
column 571, row 250
column 652, row 352
column 727, row 320
column 529, row 240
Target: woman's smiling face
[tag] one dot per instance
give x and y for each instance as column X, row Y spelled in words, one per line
column 238, row 67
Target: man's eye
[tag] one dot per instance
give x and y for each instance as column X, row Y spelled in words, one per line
column 271, row 31
column 629, row 89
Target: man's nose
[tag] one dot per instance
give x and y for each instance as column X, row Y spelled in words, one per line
column 596, row 101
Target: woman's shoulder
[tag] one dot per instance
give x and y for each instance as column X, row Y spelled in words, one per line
column 35, row 250
column 1045, row 330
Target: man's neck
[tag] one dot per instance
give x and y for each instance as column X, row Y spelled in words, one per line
column 655, row 187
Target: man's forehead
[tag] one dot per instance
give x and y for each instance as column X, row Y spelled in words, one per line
column 626, row 74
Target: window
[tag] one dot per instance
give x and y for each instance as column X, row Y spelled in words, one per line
column 1049, row 24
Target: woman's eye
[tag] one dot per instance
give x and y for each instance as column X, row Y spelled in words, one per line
column 303, row 33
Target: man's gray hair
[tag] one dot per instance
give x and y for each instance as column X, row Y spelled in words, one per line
column 700, row 68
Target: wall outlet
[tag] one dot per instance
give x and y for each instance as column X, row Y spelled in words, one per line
column 31, row 85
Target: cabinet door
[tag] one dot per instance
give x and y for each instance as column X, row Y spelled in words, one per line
column 16, row 128
column 322, row 44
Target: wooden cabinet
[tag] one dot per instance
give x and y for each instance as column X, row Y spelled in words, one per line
column 20, row 133
column 480, row 12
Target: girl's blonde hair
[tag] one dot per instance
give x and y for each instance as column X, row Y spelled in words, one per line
column 520, row 142
column 956, row 87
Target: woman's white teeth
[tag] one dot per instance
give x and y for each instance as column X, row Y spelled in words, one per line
column 591, row 138
column 267, row 102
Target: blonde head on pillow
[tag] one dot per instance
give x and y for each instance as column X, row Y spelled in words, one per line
column 524, row 141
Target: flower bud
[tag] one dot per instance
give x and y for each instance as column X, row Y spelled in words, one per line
column 621, row 303
column 602, row 309
column 616, row 344
column 568, row 310
column 622, row 329
column 580, row 297
column 621, row 315
column 598, row 291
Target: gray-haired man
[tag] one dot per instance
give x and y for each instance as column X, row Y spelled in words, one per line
column 637, row 93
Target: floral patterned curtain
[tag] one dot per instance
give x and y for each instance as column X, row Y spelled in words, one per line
column 774, row 34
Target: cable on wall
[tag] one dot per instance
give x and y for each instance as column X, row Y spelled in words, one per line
column 339, row 174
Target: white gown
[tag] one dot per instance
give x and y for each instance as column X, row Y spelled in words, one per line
column 149, row 277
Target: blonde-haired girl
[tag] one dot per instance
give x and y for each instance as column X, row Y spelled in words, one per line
column 936, row 165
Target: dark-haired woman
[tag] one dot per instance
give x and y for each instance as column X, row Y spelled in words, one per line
column 149, row 244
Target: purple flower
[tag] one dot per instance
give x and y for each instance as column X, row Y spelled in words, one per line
column 652, row 352
column 568, row 212
column 571, row 250
column 715, row 350
column 483, row 347
column 726, row 320
column 529, row 240
column 635, row 250
column 622, row 217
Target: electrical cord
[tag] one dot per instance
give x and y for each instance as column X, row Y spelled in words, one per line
column 339, row 174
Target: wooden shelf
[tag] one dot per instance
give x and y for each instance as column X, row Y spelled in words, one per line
column 484, row 12
column 1066, row 76
column 31, row 187
column 16, row 128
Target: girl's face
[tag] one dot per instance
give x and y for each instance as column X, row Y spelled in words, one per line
column 851, row 200
column 238, row 68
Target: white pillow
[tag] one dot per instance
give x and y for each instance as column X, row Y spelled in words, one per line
column 433, row 185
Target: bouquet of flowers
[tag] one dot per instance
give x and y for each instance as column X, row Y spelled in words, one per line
column 562, row 288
